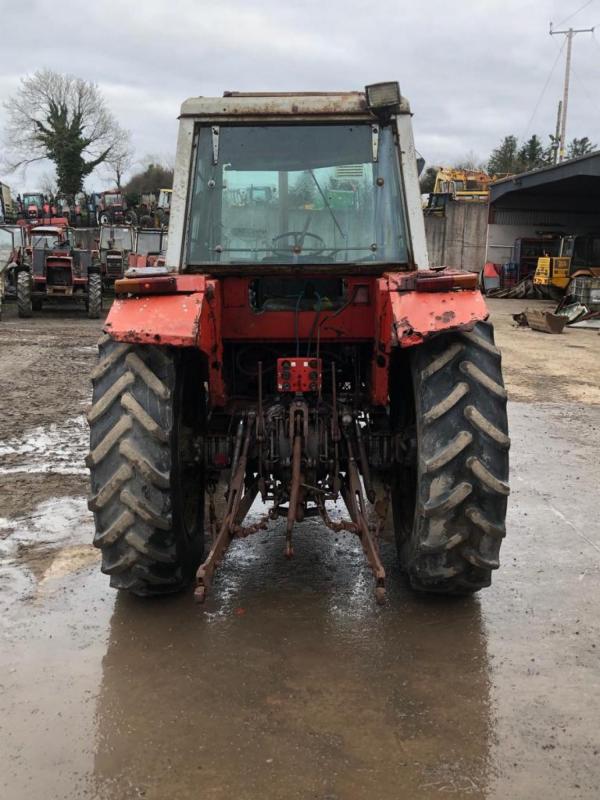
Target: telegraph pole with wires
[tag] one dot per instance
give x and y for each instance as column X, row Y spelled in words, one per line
column 563, row 121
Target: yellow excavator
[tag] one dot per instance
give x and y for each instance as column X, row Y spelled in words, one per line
column 578, row 255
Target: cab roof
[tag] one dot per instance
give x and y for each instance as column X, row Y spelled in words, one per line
column 275, row 104
column 46, row 230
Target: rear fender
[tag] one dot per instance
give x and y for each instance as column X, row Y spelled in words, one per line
column 190, row 316
column 408, row 317
column 417, row 316
column 171, row 319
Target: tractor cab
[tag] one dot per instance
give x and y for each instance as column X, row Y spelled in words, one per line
column 7, row 251
column 20, row 256
column 313, row 194
column 150, row 248
column 7, row 246
column 115, row 245
column 164, row 198
column 52, row 237
column 33, row 206
column 21, row 238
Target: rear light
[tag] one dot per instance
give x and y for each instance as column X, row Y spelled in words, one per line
column 162, row 285
column 445, row 281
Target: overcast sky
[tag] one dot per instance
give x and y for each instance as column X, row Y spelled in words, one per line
column 472, row 70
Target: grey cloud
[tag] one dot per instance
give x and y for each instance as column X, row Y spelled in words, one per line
column 473, row 71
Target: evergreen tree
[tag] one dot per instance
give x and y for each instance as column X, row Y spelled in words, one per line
column 532, row 155
column 427, row 180
column 505, row 158
column 579, row 147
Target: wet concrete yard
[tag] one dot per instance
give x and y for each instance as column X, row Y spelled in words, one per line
column 290, row 682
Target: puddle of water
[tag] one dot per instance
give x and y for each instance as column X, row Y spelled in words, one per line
column 56, row 447
column 51, row 542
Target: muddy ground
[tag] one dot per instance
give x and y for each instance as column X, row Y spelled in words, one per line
column 290, row 682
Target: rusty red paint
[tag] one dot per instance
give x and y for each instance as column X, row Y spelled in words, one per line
column 416, row 316
column 170, row 319
column 204, row 312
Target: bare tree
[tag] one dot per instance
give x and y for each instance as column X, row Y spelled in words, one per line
column 61, row 118
column 48, row 184
column 120, row 159
column 470, row 161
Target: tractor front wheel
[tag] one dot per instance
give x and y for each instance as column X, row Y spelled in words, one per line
column 94, row 298
column 24, row 303
column 449, row 536
column 146, row 426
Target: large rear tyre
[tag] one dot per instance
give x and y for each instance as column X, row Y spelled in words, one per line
column 24, row 304
column 94, row 298
column 449, row 536
column 146, row 466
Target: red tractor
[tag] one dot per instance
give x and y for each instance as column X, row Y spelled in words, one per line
column 112, row 209
column 58, row 271
column 150, row 248
column 35, row 206
column 299, row 350
column 115, row 244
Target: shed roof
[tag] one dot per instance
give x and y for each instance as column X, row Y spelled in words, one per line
column 572, row 183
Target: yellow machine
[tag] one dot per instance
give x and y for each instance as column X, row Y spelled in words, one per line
column 553, row 271
column 462, row 184
column 576, row 254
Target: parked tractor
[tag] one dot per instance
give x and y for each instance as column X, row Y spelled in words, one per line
column 163, row 207
column 7, row 262
column 59, row 272
column 115, row 244
column 34, row 206
column 18, row 258
column 150, row 248
column 8, row 207
column 112, row 209
column 301, row 352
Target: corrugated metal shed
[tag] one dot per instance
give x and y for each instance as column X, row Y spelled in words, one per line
column 572, row 186
column 560, row 199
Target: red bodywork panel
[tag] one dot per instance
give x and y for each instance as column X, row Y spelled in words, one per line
column 415, row 316
column 205, row 312
column 138, row 261
column 170, row 319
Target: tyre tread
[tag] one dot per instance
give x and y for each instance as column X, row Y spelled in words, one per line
column 462, row 466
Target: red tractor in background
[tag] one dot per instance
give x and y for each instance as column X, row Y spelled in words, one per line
column 300, row 350
column 58, row 270
column 150, row 248
column 115, row 244
column 112, row 209
column 35, row 206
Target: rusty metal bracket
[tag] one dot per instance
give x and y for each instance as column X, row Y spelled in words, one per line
column 231, row 520
column 355, row 502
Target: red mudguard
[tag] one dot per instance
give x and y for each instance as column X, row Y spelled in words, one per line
column 191, row 313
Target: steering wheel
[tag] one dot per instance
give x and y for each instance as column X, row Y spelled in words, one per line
column 298, row 243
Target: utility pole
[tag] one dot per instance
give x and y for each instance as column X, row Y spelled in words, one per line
column 556, row 142
column 563, row 125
